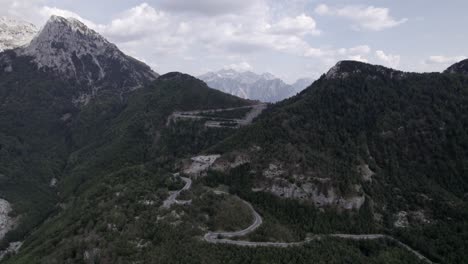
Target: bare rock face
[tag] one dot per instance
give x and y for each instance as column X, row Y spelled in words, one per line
column 71, row 51
column 6, row 222
column 311, row 192
column 365, row 172
column 230, row 161
column 13, row 248
column 404, row 219
column 200, row 164
column 401, row 220
column 273, row 171
column 344, row 69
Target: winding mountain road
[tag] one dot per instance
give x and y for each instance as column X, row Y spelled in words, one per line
column 172, row 199
column 227, row 237
column 198, row 115
column 216, row 237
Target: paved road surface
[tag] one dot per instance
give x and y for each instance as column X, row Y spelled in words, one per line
column 172, row 199
column 197, row 114
column 218, row 237
column 226, row 237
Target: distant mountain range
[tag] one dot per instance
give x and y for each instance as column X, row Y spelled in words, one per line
column 263, row 87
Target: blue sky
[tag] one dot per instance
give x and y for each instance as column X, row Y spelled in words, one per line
column 289, row 38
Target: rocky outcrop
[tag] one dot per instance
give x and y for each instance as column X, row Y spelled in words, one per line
column 365, row 172
column 197, row 166
column 230, row 161
column 313, row 193
column 6, row 222
column 404, row 219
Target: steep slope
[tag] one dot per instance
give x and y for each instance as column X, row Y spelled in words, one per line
column 127, row 144
column 389, row 143
column 118, row 170
column 68, row 50
column 460, row 68
column 116, row 181
column 264, row 87
column 15, row 33
column 37, row 113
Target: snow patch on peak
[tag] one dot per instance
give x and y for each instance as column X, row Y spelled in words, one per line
column 15, row 33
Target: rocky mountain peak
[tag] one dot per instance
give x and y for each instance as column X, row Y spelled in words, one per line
column 347, row 68
column 61, row 41
column 69, row 49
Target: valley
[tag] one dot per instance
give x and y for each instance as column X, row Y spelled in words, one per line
column 104, row 160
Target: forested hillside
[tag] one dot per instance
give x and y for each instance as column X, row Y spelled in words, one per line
column 401, row 136
column 45, row 139
column 118, row 169
column 364, row 150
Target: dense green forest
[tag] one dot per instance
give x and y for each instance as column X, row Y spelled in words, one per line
column 44, row 137
column 410, row 128
column 114, row 160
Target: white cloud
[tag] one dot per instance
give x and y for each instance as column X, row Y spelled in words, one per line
column 322, row 9
column 240, row 67
column 47, row 12
column 137, row 23
column 389, row 60
column 21, row 9
column 364, row 17
column 358, row 58
column 362, row 49
column 440, row 59
column 207, row 7
column 251, row 31
column 301, row 25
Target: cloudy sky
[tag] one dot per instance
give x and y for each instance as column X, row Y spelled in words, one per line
column 289, row 38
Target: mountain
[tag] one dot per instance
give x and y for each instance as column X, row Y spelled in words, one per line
column 15, row 33
column 302, row 83
column 44, row 88
column 460, row 67
column 104, row 142
column 366, row 165
column 264, row 87
column 364, row 150
column 67, row 49
column 389, row 144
